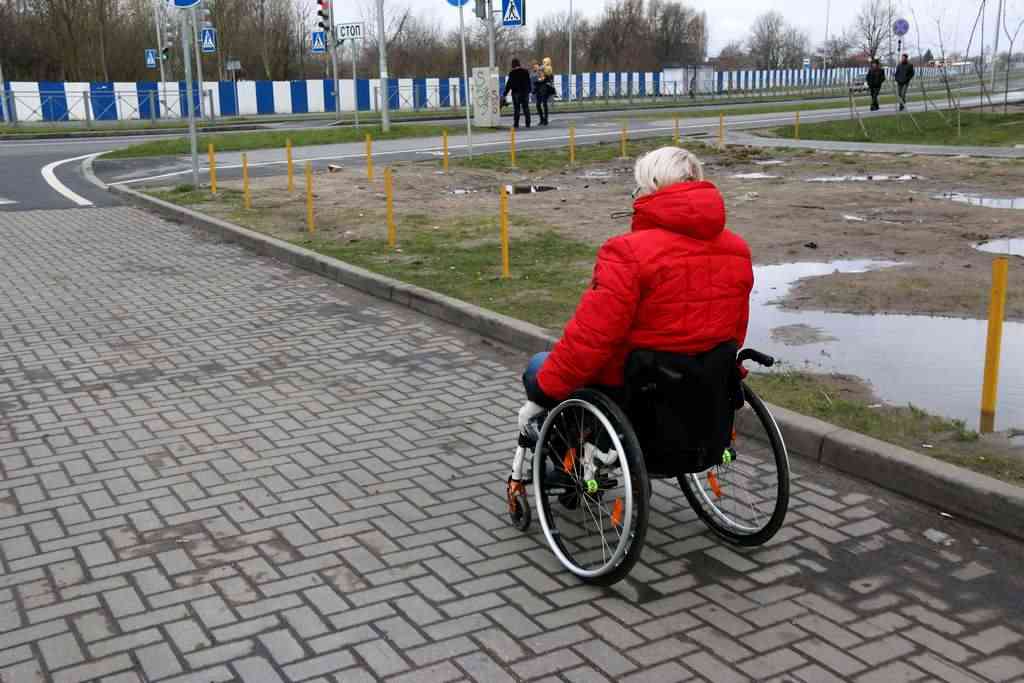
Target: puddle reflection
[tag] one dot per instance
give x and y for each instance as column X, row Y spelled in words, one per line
column 933, row 362
column 978, row 200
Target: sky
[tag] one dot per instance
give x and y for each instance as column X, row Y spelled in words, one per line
column 730, row 19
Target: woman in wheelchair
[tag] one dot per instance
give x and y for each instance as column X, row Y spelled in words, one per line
column 658, row 331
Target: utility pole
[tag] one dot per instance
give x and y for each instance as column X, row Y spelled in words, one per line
column 199, row 59
column 491, row 58
column 1000, row 10
column 385, row 94
column 190, row 102
column 828, row 15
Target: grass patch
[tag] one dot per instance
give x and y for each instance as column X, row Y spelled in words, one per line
column 976, row 128
column 554, row 159
column 240, row 142
column 463, row 260
column 847, row 404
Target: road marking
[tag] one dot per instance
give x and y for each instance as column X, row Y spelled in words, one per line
column 51, row 179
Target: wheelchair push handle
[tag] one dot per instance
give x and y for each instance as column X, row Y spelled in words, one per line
column 762, row 359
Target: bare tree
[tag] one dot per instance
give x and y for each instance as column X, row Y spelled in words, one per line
column 774, row 44
column 872, row 26
column 1012, row 38
column 837, row 50
column 734, row 56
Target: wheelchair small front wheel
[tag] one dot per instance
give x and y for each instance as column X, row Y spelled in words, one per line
column 745, row 501
column 590, row 487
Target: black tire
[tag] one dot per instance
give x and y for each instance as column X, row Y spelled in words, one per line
column 556, row 493
column 716, row 519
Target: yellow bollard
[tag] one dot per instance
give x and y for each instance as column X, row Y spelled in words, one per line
column 993, row 345
column 389, row 193
column 796, row 130
column 622, row 142
column 246, row 195
column 506, row 270
column 369, row 157
column 512, row 146
column 213, row 169
column 444, row 156
column 291, row 166
column 721, row 131
column 572, row 145
column 675, row 131
column 310, row 222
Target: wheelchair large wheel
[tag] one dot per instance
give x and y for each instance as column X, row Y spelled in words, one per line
column 591, row 488
column 745, row 501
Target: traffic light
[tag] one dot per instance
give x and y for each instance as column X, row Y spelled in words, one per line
column 325, row 15
column 170, row 37
column 481, row 9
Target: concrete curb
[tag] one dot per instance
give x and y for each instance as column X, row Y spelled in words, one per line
column 946, row 487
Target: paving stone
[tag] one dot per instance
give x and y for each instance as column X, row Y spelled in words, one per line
column 253, row 474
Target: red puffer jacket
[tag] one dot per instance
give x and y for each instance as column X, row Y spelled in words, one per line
column 679, row 282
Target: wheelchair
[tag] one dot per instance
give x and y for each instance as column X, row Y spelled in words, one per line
column 591, row 459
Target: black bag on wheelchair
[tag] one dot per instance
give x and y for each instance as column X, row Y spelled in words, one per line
column 682, row 407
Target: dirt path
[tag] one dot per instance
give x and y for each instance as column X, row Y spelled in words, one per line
column 785, row 218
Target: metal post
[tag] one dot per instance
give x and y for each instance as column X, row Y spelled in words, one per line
column 152, row 106
column 3, row 96
column 160, row 44
column 355, row 84
column 382, row 40
column 332, row 39
column 491, row 59
column 465, row 78
column 87, row 101
column 199, row 59
column 572, row 29
column 189, row 103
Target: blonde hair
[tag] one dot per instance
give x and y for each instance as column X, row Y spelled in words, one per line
column 548, row 70
column 666, row 166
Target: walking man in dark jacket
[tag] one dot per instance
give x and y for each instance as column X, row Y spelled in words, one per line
column 518, row 83
column 904, row 74
column 875, row 79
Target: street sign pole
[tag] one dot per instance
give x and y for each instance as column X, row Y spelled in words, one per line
column 3, row 96
column 572, row 29
column 385, row 96
column 159, row 44
column 333, row 47
column 190, row 102
column 355, row 84
column 465, row 76
column 199, row 59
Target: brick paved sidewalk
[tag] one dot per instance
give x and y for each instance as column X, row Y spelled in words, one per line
column 215, row 468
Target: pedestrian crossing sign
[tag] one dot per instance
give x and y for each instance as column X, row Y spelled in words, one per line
column 318, row 42
column 513, row 13
column 208, row 40
column 151, row 59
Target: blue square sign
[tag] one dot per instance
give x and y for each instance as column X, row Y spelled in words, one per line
column 185, row 4
column 513, row 13
column 318, row 42
column 208, row 40
column 151, row 59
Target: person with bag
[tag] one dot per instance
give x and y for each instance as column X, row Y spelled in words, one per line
column 544, row 89
column 518, row 84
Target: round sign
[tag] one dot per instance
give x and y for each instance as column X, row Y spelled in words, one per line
column 458, row 3
column 900, row 27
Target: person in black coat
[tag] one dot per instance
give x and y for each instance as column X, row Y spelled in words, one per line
column 904, row 74
column 875, row 79
column 518, row 83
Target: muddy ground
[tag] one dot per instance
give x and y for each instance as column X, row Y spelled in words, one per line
column 785, row 218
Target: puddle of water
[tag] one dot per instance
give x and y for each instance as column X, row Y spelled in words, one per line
column 770, row 162
column 854, row 218
column 978, row 200
column 862, row 178
column 1006, row 247
column 755, row 176
column 460, row 191
column 529, row 189
column 935, row 363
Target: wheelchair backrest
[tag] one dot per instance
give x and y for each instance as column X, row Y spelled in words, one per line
column 683, row 406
